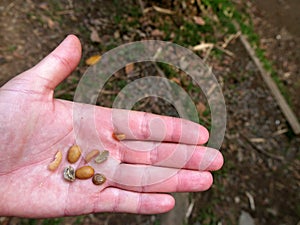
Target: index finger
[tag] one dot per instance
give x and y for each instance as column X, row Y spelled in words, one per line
column 150, row 127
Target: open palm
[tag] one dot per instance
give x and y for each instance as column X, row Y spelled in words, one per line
column 159, row 154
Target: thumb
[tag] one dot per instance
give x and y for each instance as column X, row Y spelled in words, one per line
column 55, row 67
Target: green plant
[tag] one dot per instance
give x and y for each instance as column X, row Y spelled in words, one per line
column 55, row 221
column 79, row 220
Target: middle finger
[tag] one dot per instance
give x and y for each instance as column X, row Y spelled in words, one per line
column 171, row 155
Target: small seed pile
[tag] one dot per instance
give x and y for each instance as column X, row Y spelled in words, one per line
column 84, row 172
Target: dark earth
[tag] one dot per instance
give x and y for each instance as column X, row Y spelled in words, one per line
column 261, row 174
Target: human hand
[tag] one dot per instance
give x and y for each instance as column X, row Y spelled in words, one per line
column 140, row 171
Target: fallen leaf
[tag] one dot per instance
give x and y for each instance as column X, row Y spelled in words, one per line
column 198, row 20
column 163, row 10
column 18, row 55
column 94, row 36
column 201, row 108
column 176, row 80
column 117, row 34
column 44, row 6
column 129, row 68
column 93, row 60
column 51, row 23
column 157, row 33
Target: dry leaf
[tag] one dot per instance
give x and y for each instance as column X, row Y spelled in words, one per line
column 201, row 108
column 198, row 20
column 51, row 23
column 162, row 10
column 44, row 6
column 93, row 60
column 117, row 34
column 18, row 55
column 129, row 68
column 157, row 33
column 203, row 46
column 94, row 36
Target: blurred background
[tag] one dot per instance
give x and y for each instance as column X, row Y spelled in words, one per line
column 260, row 180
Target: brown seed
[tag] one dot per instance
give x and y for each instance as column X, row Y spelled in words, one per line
column 55, row 163
column 91, row 155
column 74, row 154
column 119, row 137
column 102, row 156
column 84, row 172
column 99, row 179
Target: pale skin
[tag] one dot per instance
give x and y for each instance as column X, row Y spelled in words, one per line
column 159, row 155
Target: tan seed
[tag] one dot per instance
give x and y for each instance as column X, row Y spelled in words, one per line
column 85, row 172
column 91, row 155
column 99, row 179
column 55, row 163
column 119, row 137
column 74, row 154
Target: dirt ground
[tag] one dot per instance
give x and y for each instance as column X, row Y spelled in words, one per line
column 261, row 173
column 278, row 26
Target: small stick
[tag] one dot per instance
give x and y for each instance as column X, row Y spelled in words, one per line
column 251, row 201
column 286, row 110
column 261, row 150
column 142, row 6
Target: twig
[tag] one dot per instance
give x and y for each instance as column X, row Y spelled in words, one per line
column 189, row 210
column 142, row 106
column 286, row 110
column 11, row 5
column 106, row 92
column 251, row 201
column 257, row 140
column 163, row 10
column 142, row 6
column 225, row 50
column 209, row 46
column 230, row 39
column 261, row 150
column 65, row 12
column 204, row 46
column 279, row 132
column 207, row 54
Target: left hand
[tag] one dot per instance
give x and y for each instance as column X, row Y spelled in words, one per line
column 140, row 171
